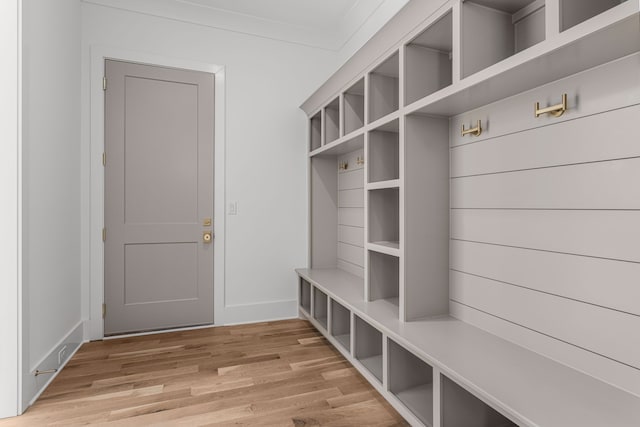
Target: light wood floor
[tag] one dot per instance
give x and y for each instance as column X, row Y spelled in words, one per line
column 278, row 374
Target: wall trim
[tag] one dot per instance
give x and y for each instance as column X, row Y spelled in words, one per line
column 11, row 202
column 95, row 324
column 32, row 386
column 261, row 312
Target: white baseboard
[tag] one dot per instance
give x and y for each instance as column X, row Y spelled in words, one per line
column 268, row 311
column 32, row 385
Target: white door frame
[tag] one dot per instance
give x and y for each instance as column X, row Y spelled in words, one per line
column 95, row 326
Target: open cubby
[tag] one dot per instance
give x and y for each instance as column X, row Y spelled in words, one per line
column 384, row 277
column 384, row 217
column 428, row 60
column 493, row 30
column 462, row 409
column 368, row 347
column 384, row 148
column 574, row 12
column 315, row 132
column 341, row 324
column 320, row 307
column 305, row 295
column 354, row 107
column 384, row 87
column 332, row 121
column 411, row 381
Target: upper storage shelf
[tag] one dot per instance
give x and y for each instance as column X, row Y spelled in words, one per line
column 574, row 12
column 493, row 30
column 332, row 121
column 428, row 60
column 354, row 107
column 504, row 47
column 610, row 35
column 384, row 85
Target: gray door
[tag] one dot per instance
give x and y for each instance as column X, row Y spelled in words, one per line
column 158, row 197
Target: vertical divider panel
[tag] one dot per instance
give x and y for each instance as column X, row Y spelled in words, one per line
column 402, row 293
column 402, row 81
column 352, row 339
column 385, row 362
column 437, row 397
column 341, row 115
column 426, row 244
column 552, row 18
column 456, row 41
column 366, row 205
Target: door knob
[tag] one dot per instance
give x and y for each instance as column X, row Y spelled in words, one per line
column 207, row 236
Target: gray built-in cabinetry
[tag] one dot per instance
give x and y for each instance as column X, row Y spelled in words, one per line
column 475, row 261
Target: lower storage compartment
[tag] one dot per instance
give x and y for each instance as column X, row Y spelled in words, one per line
column 341, row 324
column 462, row 409
column 305, row 296
column 411, row 381
column 368, row 347
column 320, row 307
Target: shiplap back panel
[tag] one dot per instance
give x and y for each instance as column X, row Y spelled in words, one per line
column 545, row 223
column 351, row 213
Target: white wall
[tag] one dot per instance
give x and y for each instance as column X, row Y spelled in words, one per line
column 51, row 186
column 266, row 80
column 9, row 195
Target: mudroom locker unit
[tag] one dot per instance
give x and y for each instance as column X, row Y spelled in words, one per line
column 475, row 212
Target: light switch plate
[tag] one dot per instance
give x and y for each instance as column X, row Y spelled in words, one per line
column 233, row 208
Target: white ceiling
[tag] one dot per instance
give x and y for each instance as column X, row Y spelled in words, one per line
column 327, row 24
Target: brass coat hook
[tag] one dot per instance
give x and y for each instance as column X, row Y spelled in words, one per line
column 555, row 110
column 473, row 131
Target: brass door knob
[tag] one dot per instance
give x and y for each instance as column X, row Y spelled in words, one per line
column 207, row 236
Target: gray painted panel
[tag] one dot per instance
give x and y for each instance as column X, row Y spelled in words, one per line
column 590, row 92
column 160, row 272
column 603, row 136
column 351, row 254
column 351, row 235
column 353, row 217
column 351, row 198
column 161, row 148
column 351, row 179
column 612, row 284
column 597, row 329
column 605, row 234
column 351, row 268
column 601, row 185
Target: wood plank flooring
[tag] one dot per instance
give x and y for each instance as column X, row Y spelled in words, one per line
column 270, row 374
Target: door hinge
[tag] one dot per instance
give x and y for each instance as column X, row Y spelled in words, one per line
column 104, row 310
column 104, row 159
column 104, row 234
column 104, row 83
